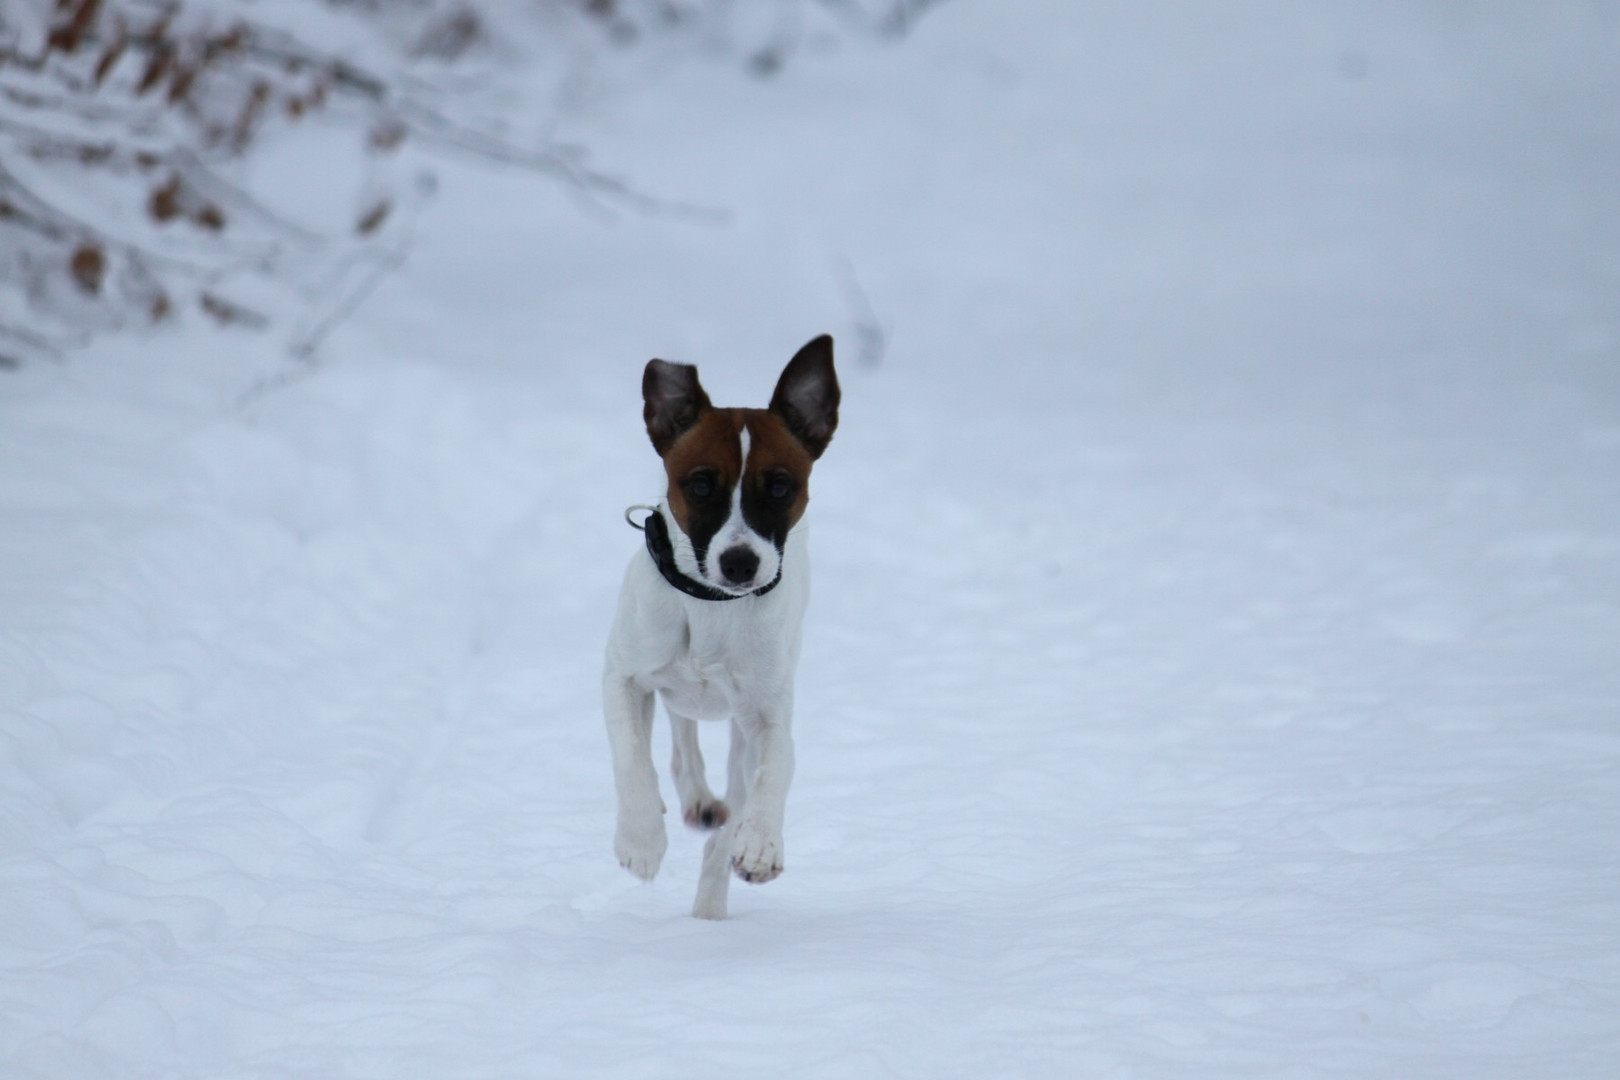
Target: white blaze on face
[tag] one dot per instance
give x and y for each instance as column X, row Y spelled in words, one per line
column 736, row 493
column 736, row 533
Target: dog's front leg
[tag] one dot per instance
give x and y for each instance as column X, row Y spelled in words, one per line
column 640, row 840
column 756, row 853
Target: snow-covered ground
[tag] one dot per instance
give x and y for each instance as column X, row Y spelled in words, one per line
column 1214, row 662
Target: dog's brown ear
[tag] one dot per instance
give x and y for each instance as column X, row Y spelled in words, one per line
column 674, row 400
column 807, row 395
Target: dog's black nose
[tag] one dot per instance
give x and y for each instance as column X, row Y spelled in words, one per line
column 738, row 565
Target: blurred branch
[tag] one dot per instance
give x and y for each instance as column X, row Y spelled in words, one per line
column 18, row 345
column 871, row 339
column 892, row 19
column 123, row 124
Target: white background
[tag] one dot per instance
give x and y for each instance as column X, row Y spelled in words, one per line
column 1214, row 662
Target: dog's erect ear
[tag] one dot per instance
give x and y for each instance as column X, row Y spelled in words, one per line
column 674, row 401
column 806, row 395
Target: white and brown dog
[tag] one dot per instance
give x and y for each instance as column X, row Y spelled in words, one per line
column 709, row 617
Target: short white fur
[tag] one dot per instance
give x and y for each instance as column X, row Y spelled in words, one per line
column 731, row 660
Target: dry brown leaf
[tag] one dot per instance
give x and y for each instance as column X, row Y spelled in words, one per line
column 88, row 266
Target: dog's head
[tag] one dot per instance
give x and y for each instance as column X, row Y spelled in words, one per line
column 739, row 479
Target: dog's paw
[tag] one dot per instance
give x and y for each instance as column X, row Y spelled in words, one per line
column 710, row 813
column 755, row 856
column 641, row 851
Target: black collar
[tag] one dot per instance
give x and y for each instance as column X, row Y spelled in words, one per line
column 663, row 556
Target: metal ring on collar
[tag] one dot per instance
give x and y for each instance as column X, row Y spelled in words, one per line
column 630, row 521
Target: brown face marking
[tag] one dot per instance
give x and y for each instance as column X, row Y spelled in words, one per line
column 776, row 460
column 705, row 465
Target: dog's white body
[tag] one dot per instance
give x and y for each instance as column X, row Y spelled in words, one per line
column 708, row 661
column 709, row 617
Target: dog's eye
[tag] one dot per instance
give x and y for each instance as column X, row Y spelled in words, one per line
column 781, row 487
column 700, row 487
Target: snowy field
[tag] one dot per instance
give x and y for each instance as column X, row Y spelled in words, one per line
column 1213, row 668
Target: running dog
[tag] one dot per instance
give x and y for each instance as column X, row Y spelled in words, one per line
column 709, row 617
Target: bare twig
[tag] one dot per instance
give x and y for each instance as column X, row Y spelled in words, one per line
column 32, row 342
column 29, row 210
column 304, row 348
column 871, row 339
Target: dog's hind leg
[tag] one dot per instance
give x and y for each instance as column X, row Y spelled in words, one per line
column 640, row 840
column 714, row 883
column 699, row 807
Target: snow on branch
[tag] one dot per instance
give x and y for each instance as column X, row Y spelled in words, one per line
column 130, row 130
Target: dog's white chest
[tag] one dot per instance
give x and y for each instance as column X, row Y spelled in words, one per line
column 703, row 691
column 734, row 659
